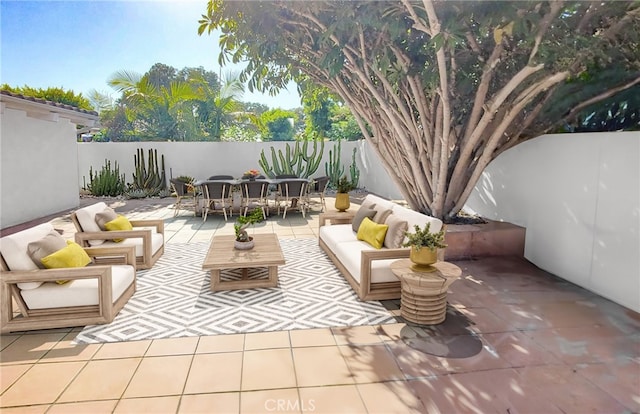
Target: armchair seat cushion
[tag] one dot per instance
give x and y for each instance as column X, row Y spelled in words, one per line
column 157, row 241
column 81, row 292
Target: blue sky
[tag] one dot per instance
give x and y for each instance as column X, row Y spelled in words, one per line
column 78, row 45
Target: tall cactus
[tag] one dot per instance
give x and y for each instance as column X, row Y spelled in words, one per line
column 148, row 177
column 334, row 168
column 298, row 161
column 353, row 170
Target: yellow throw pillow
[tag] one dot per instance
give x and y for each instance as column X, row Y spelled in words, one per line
column 71, row 256
column 372, row 232
column 119, row 223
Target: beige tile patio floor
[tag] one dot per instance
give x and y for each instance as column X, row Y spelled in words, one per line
column 516, row 339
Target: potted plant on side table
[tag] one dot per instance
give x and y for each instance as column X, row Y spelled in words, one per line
column 243, row 240
column 343, row 187
column 424, row 245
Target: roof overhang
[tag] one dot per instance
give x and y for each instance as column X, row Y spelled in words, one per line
column 48, row 111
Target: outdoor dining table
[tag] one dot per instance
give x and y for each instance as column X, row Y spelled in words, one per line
column 238, row 181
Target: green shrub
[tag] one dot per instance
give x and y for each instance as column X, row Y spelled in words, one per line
column 106, row 182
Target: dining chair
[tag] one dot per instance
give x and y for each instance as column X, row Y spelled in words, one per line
column 295, row 195
column 318, row 189
column 217, row 196
column 254, row 194
column 180, row 188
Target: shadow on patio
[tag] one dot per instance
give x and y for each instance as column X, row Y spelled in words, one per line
column 516, row 338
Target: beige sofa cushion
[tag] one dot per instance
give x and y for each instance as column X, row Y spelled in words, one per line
column 396, row 232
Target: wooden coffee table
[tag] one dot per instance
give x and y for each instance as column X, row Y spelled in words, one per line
column 222, row 255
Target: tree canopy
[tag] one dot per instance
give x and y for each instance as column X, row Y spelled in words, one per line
column 439, row 88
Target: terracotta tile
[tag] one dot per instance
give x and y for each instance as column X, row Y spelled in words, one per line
column 10, row 374
column 413, row 363
column 122, row 350
column 101, row 380
column 371, row 363
column 278, row 401
column 333, row 400
column 567, row 390
column 210, row 403
column 159, row 376
column 33, row 409
column 587, row 345
column 220, row 343
column 479, row 392
column 266, row 340
column 6, row 340
column 391, row 331
column 620, row 379
column 486, row 321
column 311, row 337
column 93, row 407
column 173, row 346
column 390, row 397
column 519, row 349
column 218, row 372
column 29, row 348
column 321, row 366
column 156, row 405
column 363, row 335
column 42, row 384
column 276, row 362
column 67, row 350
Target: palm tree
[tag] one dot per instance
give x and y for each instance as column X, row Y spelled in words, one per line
column 216, row 106
column 165, row 113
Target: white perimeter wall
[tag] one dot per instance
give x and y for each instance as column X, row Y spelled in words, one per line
column 204, row 159
column 38, row 169
column 578, row 195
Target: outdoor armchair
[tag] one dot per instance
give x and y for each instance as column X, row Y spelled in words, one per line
column 60, row 297
column 147, row 236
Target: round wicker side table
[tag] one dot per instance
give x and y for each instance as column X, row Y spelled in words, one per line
column 423, row 297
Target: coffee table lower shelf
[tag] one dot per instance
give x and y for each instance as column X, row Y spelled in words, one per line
column 223, row 256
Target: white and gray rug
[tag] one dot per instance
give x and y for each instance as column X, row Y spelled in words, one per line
column 173, row 299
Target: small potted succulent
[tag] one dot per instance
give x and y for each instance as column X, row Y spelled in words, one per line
column 343, row 187
column 424, row 245
column 243, row 240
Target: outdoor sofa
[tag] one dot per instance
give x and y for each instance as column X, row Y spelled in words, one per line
column 365, row 267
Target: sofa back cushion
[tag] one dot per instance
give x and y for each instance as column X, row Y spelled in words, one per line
column 410, row 216
column 49, row 244
column 14, row 250
column 87, row 218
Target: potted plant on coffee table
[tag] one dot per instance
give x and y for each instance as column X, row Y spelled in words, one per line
column 424, row 245
column 343, row 187
column 243, row 240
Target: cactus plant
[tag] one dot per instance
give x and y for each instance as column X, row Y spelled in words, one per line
column 333, row 168
column 353, row 170
column 148, row 178
column 106, row 182
column 298, row 161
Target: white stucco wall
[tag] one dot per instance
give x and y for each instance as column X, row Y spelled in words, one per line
column 196, row 159
column 578, row 195
column 39, row 166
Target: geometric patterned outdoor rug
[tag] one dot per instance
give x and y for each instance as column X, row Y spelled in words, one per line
column 174, row 299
